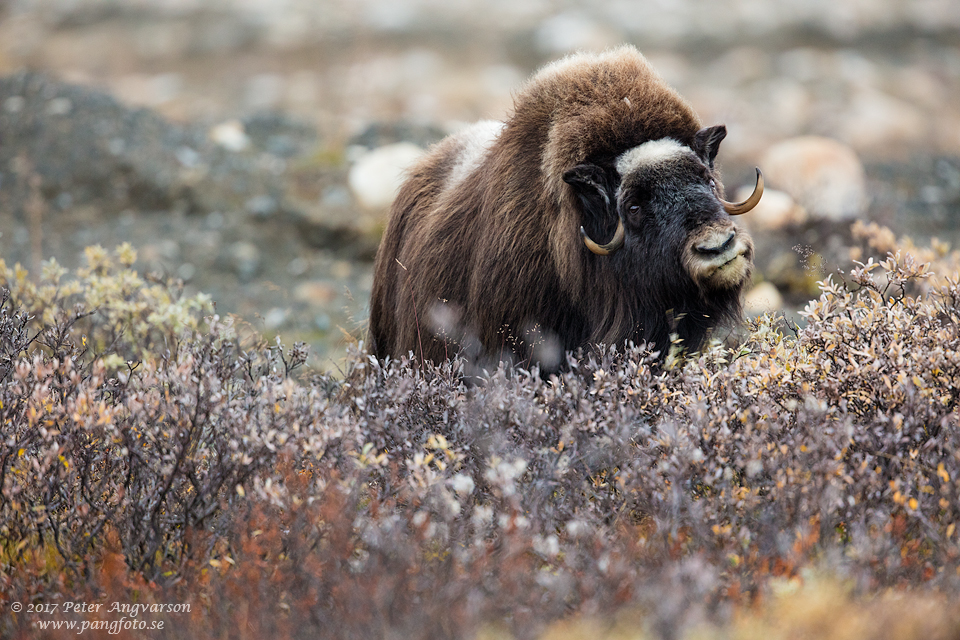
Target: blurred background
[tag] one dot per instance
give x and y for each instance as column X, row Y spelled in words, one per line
column 251, row 147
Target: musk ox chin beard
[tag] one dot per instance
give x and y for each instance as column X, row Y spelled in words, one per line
column 719, row 257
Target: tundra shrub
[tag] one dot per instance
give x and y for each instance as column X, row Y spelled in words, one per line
column 119, row 414
column 395, row 499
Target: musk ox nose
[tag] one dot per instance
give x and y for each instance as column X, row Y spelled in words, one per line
column 716, row 243
column 718, row 256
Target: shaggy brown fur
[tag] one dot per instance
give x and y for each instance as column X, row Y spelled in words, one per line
column 488, row 259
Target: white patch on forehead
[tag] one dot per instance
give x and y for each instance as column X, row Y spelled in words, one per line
column 651, row 153
column 476, row 140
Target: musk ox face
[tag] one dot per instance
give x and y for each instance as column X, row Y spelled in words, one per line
column 670, row 224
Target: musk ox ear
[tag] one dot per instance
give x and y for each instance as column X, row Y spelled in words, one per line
column 707, row 142
column 592, row 186
column 596, row 191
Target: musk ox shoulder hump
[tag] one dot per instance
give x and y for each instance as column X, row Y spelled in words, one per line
column 598, row 105
column 475, row 141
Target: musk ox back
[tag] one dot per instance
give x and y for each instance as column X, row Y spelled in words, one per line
column 592, row 215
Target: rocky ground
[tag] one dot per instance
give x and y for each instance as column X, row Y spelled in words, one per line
column 242, row 145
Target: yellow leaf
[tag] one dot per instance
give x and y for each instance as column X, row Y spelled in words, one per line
column 913, row 503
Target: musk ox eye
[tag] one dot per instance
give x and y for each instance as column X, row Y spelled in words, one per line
column 634, row 209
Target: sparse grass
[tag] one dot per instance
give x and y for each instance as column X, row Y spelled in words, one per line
column 150, row 455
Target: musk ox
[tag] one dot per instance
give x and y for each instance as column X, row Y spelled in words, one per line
column 594, row 214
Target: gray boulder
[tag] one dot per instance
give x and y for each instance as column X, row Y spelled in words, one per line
column 81, row 146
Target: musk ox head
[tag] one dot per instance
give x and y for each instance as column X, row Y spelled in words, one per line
column 672, row 226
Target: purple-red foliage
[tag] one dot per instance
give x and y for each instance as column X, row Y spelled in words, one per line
column 397, row 500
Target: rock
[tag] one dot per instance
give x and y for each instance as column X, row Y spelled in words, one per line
column 245, row 260
column 143, row 90
column 230, row 135
column 822, row 175
column 94, row 150
column 377, row 175
column 59, row 107
column 763, row 298
column 262, row 206
column 380, row 134
column 351, row 236
column 157, row 255
column 788, row 105
column 875, row 121
column 323, row 322
column 279, row 134
column 87, row 148
column 186, row 271
column 336, row 196
column 341, row 269
column 297, row 267
column 275, row 318
column 316, row 293
column 327, row 215
column 776, row 210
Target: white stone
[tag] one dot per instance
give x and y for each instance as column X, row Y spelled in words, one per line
column 230, row 135
column 877, row 122
column 775, row 210
column 59, row 107
column 246, row 259
column 376, row 176
column 763, row 298
column 274, row 318
column 822, row 175
column 14, row 104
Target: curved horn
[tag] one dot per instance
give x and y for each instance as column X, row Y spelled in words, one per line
column 610, row 247
column 739, row 208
